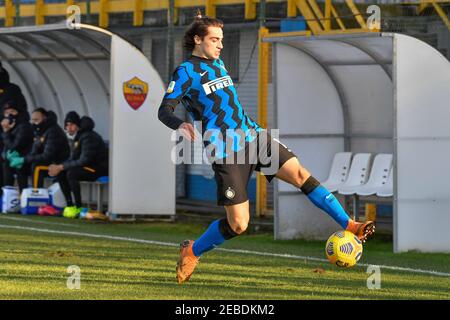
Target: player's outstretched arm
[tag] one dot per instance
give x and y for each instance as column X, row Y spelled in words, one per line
column 166, row 116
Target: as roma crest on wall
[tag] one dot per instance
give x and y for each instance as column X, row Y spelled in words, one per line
column 135, row 92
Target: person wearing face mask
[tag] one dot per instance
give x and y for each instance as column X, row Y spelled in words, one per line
column 11, row 92
column 17, row 141
column 71, row 125
column 50, row 146
column 88, row 161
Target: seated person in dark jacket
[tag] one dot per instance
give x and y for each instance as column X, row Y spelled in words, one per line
column 10, row 92
column 88, row 161
column 50, row 146
column 17, row 142
column 1, row 167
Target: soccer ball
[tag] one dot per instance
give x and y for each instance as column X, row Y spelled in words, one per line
column 343, row 249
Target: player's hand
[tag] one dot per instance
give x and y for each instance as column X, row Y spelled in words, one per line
column 6, row 126
column 55, row 169
column 187, row 130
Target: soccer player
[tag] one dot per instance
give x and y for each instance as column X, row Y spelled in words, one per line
column 206, row 90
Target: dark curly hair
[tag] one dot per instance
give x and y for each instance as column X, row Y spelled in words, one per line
column 199, row 27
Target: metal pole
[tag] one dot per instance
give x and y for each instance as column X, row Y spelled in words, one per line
column 262, row 13
column 170, row 42
column 261, row 186
column 88, row 11
column 17, row 19
column 327, row 22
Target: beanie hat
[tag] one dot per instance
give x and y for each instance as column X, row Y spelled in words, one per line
column 72, row 117
column 10, row 105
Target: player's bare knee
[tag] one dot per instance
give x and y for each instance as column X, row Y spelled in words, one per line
column 239, row 226
column 298, row 178
column 301, row 176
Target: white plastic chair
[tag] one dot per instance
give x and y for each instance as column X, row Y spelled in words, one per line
column 357, row 176
column 379, row 174
column 339, row 171
column 387, row 190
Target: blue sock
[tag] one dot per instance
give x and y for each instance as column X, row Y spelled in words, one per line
column 210, row 239
column 326, row 201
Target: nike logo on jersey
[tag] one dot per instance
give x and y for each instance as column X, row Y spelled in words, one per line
column 217, row 84
column 203, row 73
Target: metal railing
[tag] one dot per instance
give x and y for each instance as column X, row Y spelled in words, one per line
column 317, row 19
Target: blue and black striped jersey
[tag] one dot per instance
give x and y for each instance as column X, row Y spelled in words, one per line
column 204, row 87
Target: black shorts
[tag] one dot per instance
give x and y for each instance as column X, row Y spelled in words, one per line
column 232, row 174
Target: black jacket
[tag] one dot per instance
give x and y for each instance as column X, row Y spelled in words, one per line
column 19, row 138
column 50, row 145
column 89, row 149
column 10, row 92
column 2, row 154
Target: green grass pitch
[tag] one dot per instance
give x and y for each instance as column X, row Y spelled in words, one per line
column 35, row 253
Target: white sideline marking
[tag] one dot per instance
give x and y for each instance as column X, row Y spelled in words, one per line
column 171, row 244
column 41, row 222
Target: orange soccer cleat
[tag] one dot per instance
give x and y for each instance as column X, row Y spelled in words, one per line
column 363, row 230
column 187, row 262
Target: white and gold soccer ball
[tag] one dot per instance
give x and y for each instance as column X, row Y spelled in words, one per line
column 343, row 249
